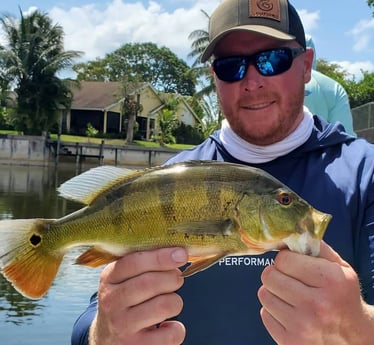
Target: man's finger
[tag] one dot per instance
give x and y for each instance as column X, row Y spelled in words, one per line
column 136, row 263
column 169, row 332
column 326, row 252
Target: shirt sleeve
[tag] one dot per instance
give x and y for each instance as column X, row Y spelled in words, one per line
column 83, row 323
column 327, row 98
column 340, row 110
column 365, row 247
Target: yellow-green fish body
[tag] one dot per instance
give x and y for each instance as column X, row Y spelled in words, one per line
column 213, row 208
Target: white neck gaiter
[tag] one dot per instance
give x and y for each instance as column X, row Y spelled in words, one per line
column 247, row 152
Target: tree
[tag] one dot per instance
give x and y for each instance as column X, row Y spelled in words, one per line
column 362, row 91
column 371, row 4
column 206, row 97
column 142, row 62
column 200, row 40
column 359, row 92
column 168, row 121
column 131, row 107
column 332, row 70
column 167, row 124
column 31, row 58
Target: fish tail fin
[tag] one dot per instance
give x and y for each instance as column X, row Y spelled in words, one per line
column 24, row 261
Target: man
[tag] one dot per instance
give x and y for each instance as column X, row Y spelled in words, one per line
column 260, row 66
column 326, row 97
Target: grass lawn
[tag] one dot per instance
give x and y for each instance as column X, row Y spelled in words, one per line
column 116, row 142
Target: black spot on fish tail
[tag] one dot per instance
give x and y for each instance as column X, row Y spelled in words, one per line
column 35, row 239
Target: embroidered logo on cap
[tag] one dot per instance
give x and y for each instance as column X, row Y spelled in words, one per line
column 265, row 9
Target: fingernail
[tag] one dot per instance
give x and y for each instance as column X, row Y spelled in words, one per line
column 179, row 255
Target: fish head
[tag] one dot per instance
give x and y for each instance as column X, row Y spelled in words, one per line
column 280, row 218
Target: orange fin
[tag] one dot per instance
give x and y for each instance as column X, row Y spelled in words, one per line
column 32, row 276
column 95, row 257
column 254, row 246
column 201, row 263
column 24, row 259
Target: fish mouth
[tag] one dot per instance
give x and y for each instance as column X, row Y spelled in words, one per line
column 321, row 220
column 311, row 230
column 303, row 243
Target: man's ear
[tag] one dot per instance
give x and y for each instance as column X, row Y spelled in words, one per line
column 211, row 70
column 308, row 64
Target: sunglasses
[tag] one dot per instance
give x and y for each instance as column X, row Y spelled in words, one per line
column 268, row 63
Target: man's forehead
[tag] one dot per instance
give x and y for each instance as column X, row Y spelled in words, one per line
column 247, row 41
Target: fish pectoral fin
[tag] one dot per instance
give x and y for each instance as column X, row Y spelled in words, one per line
column 254, row 246
column 95, row 257
column 199, row 263
column 205, row 227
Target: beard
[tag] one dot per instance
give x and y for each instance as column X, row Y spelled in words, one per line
column 272, row 126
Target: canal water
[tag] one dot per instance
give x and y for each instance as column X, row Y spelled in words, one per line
column 30, row 192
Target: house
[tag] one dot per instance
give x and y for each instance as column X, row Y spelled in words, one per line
column 101, row 105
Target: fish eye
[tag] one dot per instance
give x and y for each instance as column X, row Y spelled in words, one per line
column 284, row 198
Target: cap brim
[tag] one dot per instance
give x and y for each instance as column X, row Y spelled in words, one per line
column 264, row 30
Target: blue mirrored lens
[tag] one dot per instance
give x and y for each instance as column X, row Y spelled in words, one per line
column 230, row 68
column 273, row 62
column 268, row 63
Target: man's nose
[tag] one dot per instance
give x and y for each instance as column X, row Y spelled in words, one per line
column 253, row 79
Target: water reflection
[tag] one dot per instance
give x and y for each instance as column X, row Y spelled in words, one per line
column 14, row 307
column 30, row 192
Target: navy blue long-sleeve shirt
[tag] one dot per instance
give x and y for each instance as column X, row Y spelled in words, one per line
column 334, row 173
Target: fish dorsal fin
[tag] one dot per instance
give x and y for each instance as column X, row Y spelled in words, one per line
column 86, row 187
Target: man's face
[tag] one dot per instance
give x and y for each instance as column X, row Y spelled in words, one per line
column 262, row 109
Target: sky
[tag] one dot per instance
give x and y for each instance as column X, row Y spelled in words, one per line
column 342, row 30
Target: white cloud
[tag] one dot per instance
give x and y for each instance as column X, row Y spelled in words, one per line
column 103, row 31
column 310, row 20
column 363, row 38
column 354, row 68
column 363, row 34
column 101, row 28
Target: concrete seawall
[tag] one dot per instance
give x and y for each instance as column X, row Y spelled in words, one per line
column 36, row 150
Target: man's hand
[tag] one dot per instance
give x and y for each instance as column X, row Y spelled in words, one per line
column 136, row 295
column 314, row 301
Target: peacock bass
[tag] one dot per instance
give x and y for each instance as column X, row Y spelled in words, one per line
column 214, row 209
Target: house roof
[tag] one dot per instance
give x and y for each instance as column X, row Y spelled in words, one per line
column 100, row 95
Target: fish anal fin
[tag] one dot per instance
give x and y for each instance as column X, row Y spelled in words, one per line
column 95, row 257
column 201, row 263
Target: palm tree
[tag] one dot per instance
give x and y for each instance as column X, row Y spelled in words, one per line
column 31, row 58
column 200, row 40
column 207, row 94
